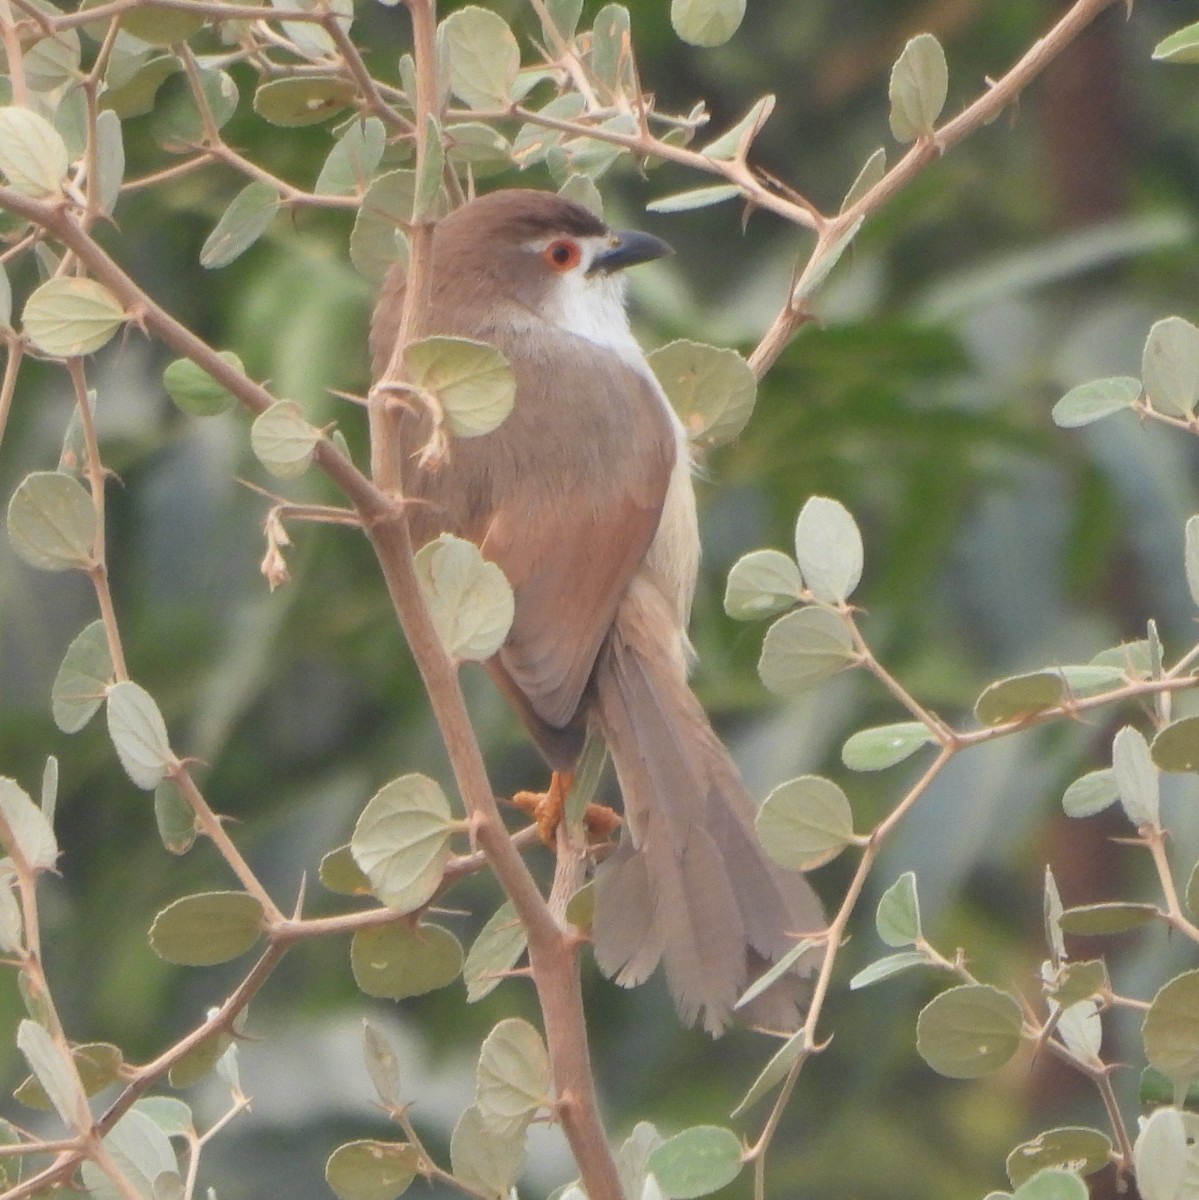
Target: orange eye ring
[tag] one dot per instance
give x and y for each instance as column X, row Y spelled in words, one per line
column 562, row 254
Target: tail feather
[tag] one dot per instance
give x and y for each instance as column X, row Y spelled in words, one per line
column 689, row 883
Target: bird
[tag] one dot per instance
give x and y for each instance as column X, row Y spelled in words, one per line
column 583, row 497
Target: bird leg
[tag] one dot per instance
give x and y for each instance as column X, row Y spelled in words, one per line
column 546, row 809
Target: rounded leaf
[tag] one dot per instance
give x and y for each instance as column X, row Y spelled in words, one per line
column 241, row 225
column 176, row 122
column 897, row 918
column 207, row 928
column 303, row 99
column 33, row 157
column 66, row 317
column 804, row 648
column 472, row 381
column 885, row 745
column 139, row 734
column 828, row 548
column 141, row 1152
column 134, row 95
column 495, row 951
column 1164, row 1154
column 1170, row 367
column 968, row 1031
column 805, row 822
column 482, row 56
column 1092, row 401
column 376, row 240
column 706, row 22
column 513, row 1076
column 1052, row 1183
column 353, row 159
column 195, row 391
column 1136, row 777
column 711, row 388
column 283, row 440
column 470, row 600
column 696, row 1162
column 370, row 1170
column 1079, row 981
column 1171, row 1029
column 1020, row 696
column 761, row 584
column 483, row 1158
column 918, row 88
column 33, row 837
column 1176, row 746
column 56, row 1076
column 1097, row 920
column 394, row 962
column 52, row 522
column 161, row 26
column 482, row 149
column 401, row 841
column 1091, row 793
column 341, row 874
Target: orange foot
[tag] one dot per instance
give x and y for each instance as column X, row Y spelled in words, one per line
column 546, row 809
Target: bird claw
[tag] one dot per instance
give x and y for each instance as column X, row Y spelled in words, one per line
column 546, row 810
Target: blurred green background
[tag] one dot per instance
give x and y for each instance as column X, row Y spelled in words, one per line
column 1031, row 258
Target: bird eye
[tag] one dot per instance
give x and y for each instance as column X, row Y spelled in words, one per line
column 563, row 254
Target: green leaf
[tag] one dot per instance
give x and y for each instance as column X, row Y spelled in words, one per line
column 484, row 1159
column 761, row 584
column 83, row 679
column 241, row 225
column 1136, row 777
column 495, row 951
column 394, row 962
column 610, row 38
column 57, row 1077
column 1097, row 920
column 513, row 1077
column 706, row 23
column 33, row 157
column 303, row 99
column 804, row 648
column 482, row 149
column 142, row 1154
column 885, row 745
column 712, row 389
column 110, row 161
column 51, row 61
column 1191, row 558
column 470, row 601
column 401, row 841
column 693, row 198
column 1080, row 1029
column 1170, row 367
column 1176, row 746
column 968, row 1031
column 1182, row 46
column 1092, row 401
column 1160, row 1156
column 341, row 874
column 583, row 191
column 696, row 1162
column 98, row 1063
column 376, row 240
column 5, row 299
column 828, row 548
column 884, row 968
column 1052, row 1184
column 172, row 1116
column 283, row 440
column 69, row 316
column 353, row 159
column 565, row 17
column 533, row 141
column 873, row 169
column 195, row 391
column 821, row 264
column 786, row 965
column 1019, row 697
column 1078, row 981
column 805, row 823
column 897, row 918
column 175, row 818
column 176, row 122
column 32, row 835
column 1171, row 1029
column 370, row 1170
column 382, row 1065
column 1192, row 892
column 52, row 522
column 1091, row 794
column 472, row 381
column 1132, row 658
column 199, row 1061
column 135, row 96
column 12, row 923
column 207, row 928
column 918, row 88
column 161, row 26
column 736, row 142
column 139, row 734
column 773, row 1073
column 483, row 57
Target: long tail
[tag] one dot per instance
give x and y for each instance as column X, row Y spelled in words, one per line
column 689, row 883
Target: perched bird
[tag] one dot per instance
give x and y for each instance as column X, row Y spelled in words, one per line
column 583, row 497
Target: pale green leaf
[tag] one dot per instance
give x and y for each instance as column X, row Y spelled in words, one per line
column 110, row 160
column 142, row 1154
column 353, row 159
column 1136, row 777
column 283, row 440
column 1192, row 558
column 208, row 928
column 1019, row 697
column 52, row 522
column 195, row 391
column 5, row 299
column 382, row 1065
column 1052, row 1184
column 968, row 1031
column 69, row 316
column 57, row 1077
column 822, row 263
column 12, row 921
column 176, row 122
column 472, row 381
column 582, row 191
column 33, row 156
column 1091, row 401
column 401, row 841
column 1080, row 1029
column 341, row 874
column 52, row 60
column 565, row 17
column 736, row 142
column 245, row 220
column 175, row 818
column 761, row 584
column 897, row 918
column 533, row 141
column 32, row 834
column 610, row 47
column 376, row 241
column 161, row 26
column 773, row 1073
column 693, row 198
column 139, row 734
column 885, row 745
column 300, row 100
column 483, row 57
column 804, row 648
column 370, row 1170
column 786, row 965
column 1160, row 1155
column 394, row 962
column 711, row 388
column 477, row 147
column 496, row 950
column 1051, row 915
column 828, row 549
column 513, row 1077
column 918, row 88
column 805, row 822
column 884, row 968
column 1171, row 1029
column 99, row 1064
column 872, row 171
column 1182, row 46
column 484, row 1159
column 199, row 1061
column 1097, row 920
column 1170, row 367
column 134, row 95
column 470, row 601
column 696, row 1162
column 1175, row 747
column 706, row 22
column 171, row 1115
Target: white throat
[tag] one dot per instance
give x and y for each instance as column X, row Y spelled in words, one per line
column 592, row 307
